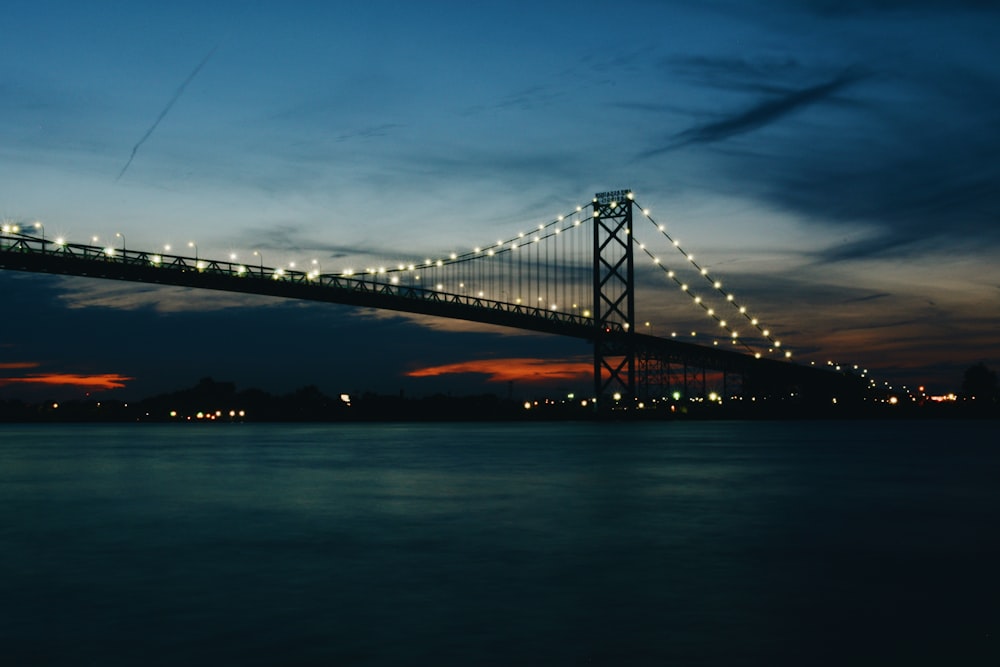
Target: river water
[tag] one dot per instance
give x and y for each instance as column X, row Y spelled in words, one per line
column 681, row 543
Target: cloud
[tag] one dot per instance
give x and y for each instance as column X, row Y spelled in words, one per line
column 761, row 114
column 100, row 382
column 520, row 369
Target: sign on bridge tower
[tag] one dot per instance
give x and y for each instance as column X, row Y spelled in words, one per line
column 614, row 297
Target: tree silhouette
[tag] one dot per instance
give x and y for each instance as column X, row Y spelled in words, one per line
column 980, row 382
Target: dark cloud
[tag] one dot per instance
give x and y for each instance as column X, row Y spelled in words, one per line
column 837, row 7
column 759, row 115
column 287, row 345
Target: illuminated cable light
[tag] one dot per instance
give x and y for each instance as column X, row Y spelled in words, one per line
column 730, row 297
column 716, row 284
column 697, row 299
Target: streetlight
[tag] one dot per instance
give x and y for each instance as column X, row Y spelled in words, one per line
column 192, row 244
column 258, row 253
column 318, row 269
column 41, row 230
column 122, row 237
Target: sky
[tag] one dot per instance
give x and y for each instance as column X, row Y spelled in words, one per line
column 838, row 163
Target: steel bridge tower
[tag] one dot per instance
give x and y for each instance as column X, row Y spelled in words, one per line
column 614, row 298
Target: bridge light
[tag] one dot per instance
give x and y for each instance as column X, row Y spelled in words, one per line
column 617, row 396
column 676, row 242
column 777, row 343
column 453, row 256
column 704, row 271
column 756, row 355
column 60, row 241
column 710, row 311
column 109, row 251
column 490, row 252
column 411, row 267
column 586, row 313
column 394, row 280
column 577, row 222
column 788, row 354
column 754, row 321
column 722, row 323
column 697, row 299
column 716, row 284
column 684, row 287
column 155, row 259
column 597, row 213
column 477, row 249
column 241, row 270
column 662, row 228
column 440, row 263
column 579, row 208
column 440, row 287
column 736, row 334
column 670, row 274
column 729, row 297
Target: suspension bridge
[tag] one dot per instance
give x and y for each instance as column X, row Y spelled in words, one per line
column 572, row 276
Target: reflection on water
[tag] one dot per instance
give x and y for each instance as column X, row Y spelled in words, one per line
column 719, row 543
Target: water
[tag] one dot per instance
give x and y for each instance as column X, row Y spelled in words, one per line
column 717, row 543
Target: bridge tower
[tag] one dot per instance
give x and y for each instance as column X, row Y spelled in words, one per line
column 614, row 298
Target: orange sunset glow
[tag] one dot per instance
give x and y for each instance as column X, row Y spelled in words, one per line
column 522, row 369
column 99, row 382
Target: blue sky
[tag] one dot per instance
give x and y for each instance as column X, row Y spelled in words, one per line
column 837, row 162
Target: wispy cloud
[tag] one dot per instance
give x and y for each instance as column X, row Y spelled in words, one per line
column 99, row 382
column 521, row 369
column 761, row 114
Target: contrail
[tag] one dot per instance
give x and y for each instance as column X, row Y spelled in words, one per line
column 166, row 109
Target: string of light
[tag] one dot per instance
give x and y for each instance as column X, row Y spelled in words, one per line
column 729, row 297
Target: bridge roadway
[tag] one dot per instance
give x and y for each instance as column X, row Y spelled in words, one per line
column 32, row 254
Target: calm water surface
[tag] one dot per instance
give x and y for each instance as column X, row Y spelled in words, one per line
column 719, row 543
